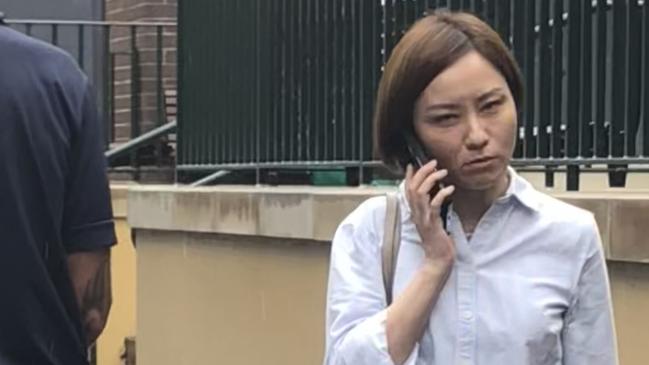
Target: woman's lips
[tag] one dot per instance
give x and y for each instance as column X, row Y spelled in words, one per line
column 480, row 162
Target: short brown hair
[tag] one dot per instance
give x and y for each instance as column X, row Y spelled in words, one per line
column 430, row 46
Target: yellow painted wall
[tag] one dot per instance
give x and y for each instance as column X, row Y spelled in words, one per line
column 121, row 322
column 214, row 299
column 630, row 289
column 206, row 299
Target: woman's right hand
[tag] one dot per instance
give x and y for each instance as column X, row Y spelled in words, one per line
column 438, row 246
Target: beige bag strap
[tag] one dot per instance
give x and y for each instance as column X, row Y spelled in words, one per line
column 391, row 243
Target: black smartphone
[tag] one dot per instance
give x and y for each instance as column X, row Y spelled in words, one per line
column 419, row 157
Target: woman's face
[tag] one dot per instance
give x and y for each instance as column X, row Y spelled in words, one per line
column 466, row 118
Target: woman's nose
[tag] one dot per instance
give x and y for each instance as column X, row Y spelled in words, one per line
column 477, row 137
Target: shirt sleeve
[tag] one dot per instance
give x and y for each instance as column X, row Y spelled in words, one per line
column 87, row 217
column 356, row 304
column 589, row 333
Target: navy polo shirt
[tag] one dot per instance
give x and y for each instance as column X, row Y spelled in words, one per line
column 54, row 199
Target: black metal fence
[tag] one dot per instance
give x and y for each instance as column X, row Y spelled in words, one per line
column 126, row 64
column 290, row 84
column 277, row 83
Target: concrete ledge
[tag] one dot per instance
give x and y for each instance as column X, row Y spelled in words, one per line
column 313, row 213
column 119, row 196
column 623, row 220
column 292, row 212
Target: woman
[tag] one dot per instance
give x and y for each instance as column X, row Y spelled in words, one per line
column 516, row 278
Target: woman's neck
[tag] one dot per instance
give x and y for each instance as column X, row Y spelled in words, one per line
column 471, row 205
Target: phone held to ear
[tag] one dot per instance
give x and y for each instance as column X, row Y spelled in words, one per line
column 419, row 158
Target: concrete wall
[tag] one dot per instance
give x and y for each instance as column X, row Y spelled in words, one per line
column 591, row 182
column 630, row 287
column 237, row 275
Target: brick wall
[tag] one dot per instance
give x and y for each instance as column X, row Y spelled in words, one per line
column 146, row 44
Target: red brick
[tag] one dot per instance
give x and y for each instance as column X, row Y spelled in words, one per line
column 125, row 88
column 143, row 12
column 170, row 56
column 122, row 133
column 151, row 71
column 143, row 41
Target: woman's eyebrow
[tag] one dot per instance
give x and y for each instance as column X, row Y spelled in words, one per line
column 438, row 106
column 490, row 93
column 449, row 105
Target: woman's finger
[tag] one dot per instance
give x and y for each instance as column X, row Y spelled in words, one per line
column 443, row 194
column 408, row 180
column 431, row 180
column 420, row 175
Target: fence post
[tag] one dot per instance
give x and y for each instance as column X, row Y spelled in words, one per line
column 135, row 98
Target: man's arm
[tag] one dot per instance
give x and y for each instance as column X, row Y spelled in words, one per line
column 87, row 228
column 90, row 275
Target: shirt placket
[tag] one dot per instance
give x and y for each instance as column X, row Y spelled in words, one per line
column 466, row 315
column 466, row 298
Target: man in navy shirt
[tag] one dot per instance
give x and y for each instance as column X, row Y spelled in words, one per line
column 56, row 224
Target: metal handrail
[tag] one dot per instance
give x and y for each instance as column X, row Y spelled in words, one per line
column 137, row 142
column 210, row 178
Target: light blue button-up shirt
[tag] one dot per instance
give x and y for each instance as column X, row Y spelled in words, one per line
column 530, row 287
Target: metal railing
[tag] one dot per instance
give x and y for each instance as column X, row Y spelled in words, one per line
column 130, row 70
column 289, row 84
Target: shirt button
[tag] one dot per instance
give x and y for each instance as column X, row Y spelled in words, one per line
column 467, row 315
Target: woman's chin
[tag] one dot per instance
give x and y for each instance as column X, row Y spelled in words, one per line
column 481, row 180
column 481, row 185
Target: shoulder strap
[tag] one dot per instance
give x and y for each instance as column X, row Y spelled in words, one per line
column 391, row 243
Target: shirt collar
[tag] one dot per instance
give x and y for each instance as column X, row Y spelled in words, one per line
column 522, row 191
column 519, row 189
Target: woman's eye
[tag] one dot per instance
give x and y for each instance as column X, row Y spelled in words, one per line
column 492, row 105
column 444, row 118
